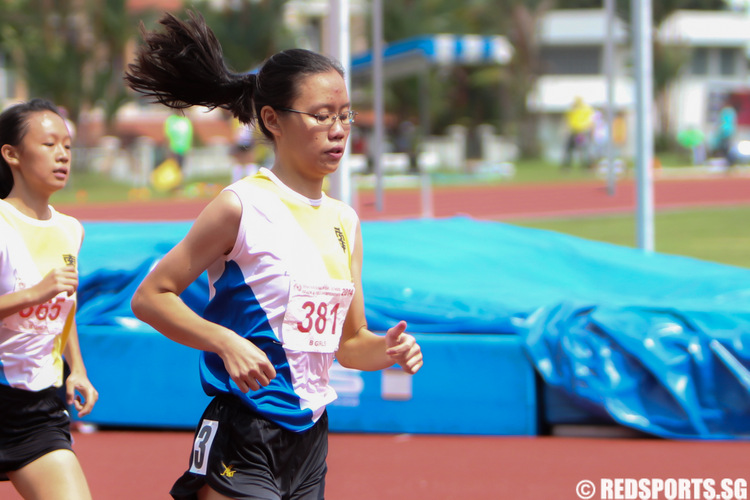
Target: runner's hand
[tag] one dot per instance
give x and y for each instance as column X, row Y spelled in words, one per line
column 58, row 280
column 81, row 393
column 403, row 348
column 248, row 366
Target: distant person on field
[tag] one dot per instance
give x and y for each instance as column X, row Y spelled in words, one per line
column 406, row 142
column 579, row 121
column 620, row 133
column 68, row 123
column 179, row 132
column 243, row 154
column 599, row 136
column 725, row 132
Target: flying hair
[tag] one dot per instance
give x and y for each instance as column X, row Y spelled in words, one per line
column 184, row 66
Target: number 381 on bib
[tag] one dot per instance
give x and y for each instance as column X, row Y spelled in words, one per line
column 315, row 314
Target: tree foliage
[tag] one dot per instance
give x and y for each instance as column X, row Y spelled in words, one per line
column 68, row 51
column 73, row 52
column 249, row 30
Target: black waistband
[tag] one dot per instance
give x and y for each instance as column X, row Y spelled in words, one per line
column 9, row 393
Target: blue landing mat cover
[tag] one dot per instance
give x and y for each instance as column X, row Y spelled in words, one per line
column 660, row 343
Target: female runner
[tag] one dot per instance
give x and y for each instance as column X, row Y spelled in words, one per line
column 284, row 264
column 38, row 281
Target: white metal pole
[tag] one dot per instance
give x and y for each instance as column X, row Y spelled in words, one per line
column 609, row 62
column 3, row 81
column 428, row 209
column 642, row 45
column 338, row 29
column 378, row 101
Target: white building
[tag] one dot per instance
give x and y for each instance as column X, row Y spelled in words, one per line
column 572, row 44
column 718, row 66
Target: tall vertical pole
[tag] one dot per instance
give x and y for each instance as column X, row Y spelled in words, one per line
column 609, row 62
column 338, row 30
column 378, row 101
column 3, row 80
column 642, row 45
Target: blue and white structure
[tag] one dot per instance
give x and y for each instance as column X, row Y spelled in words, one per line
column 416, row 54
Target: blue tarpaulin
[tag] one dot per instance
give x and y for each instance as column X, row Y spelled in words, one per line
column 660, row 343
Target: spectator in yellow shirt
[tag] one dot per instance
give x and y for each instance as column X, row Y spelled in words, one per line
column 579, row 121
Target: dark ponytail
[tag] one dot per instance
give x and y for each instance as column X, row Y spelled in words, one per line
column 184, row 66
column 14, row 123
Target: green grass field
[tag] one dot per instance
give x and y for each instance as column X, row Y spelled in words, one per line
column 715, row 234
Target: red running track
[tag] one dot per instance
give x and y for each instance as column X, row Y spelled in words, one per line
column 500, row 202
column 142, row 465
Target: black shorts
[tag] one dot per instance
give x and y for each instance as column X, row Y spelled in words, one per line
column 245, row 456
column 32, row 424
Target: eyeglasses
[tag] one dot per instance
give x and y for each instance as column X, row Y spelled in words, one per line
column 327, row 119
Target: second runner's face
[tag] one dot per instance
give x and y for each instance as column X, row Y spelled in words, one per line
column 44, row 153
column 318, row 149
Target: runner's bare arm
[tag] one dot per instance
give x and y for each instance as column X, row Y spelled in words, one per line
column 362, row 349
column 157, row 301
column 78, row 381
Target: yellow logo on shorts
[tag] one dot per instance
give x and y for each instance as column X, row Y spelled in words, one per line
column 228, row 472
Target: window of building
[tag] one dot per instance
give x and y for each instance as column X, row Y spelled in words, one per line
column 699, row 61
column 571, row 60
column 727, row 61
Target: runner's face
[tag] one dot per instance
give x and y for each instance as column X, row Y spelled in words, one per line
column 315, row 149
column 42, row 160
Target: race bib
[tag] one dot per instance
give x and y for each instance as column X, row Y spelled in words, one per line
column 315, row 314
column 43, row 319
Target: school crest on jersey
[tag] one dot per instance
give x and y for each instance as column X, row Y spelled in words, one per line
column 340, row 237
